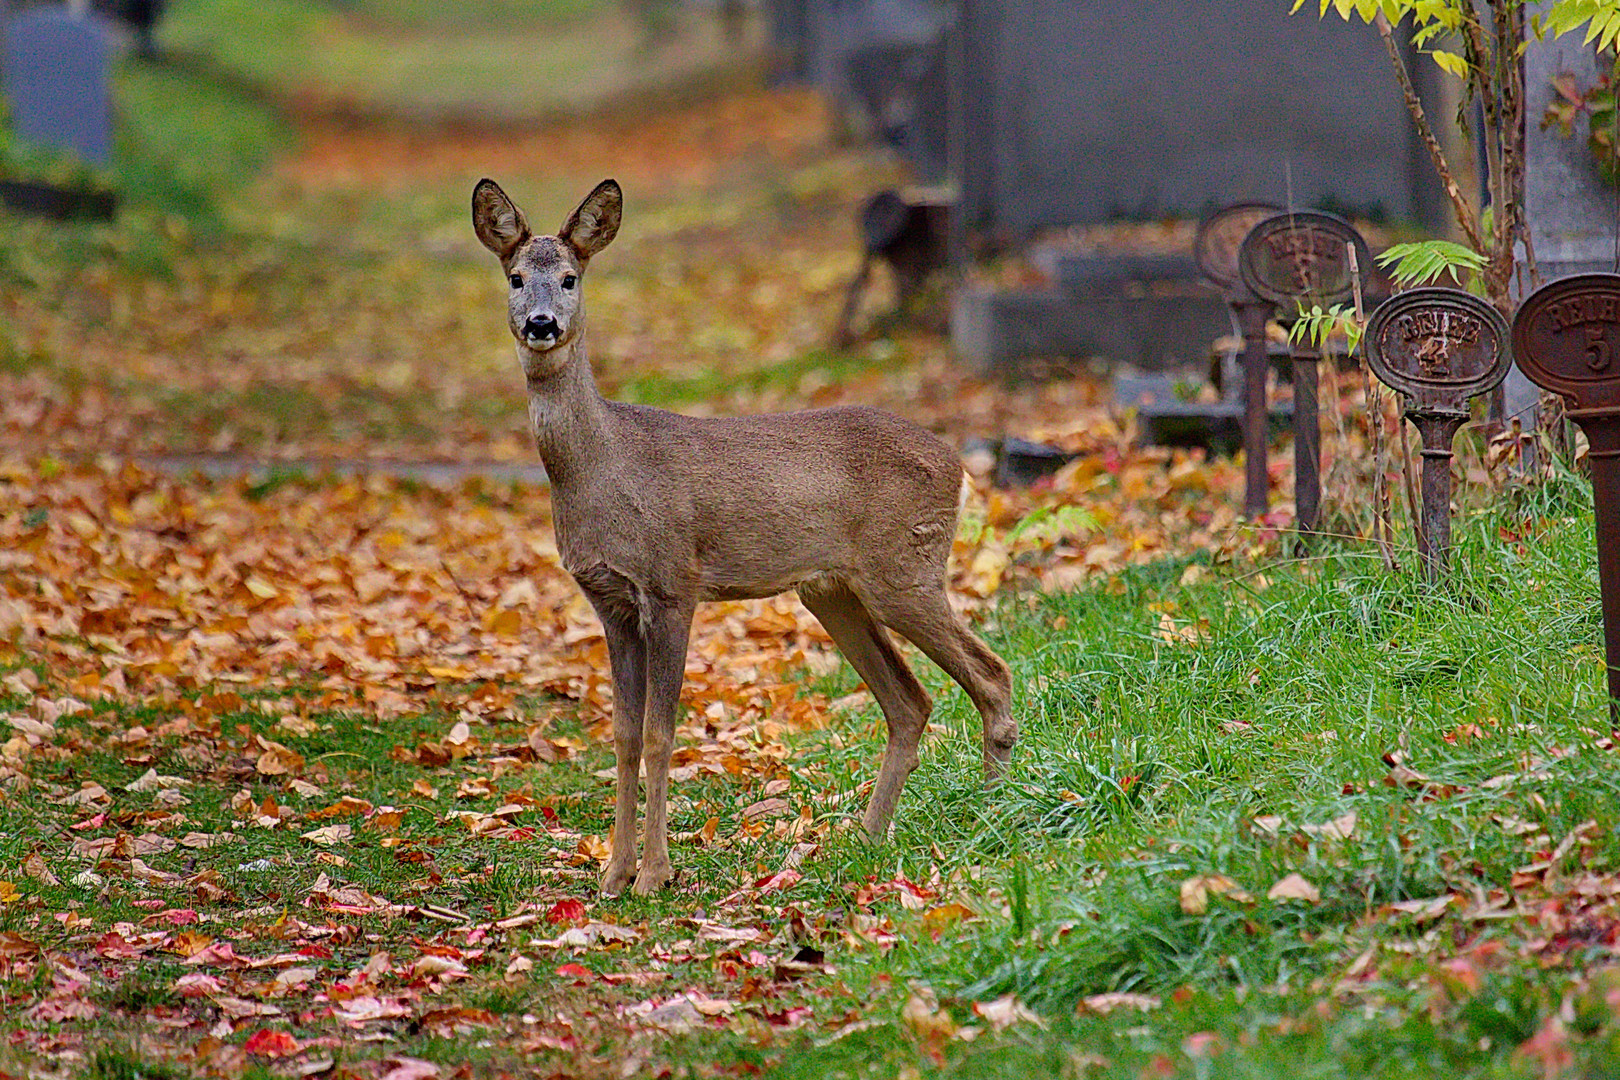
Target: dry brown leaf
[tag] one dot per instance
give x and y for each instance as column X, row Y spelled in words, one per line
column 1294, row 887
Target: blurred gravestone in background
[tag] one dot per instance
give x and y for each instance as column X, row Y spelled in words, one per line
column 1077, row 111
column 880, row 61
column 55, row 69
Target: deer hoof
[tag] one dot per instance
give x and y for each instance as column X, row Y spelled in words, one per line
column 615, row 878
column 652, row 878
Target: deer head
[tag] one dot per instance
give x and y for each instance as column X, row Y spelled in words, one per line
column 545, row 309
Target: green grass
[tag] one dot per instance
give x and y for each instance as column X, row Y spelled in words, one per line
column 508, row 13
column 1145, row 763
column 496, row 59
column 184, row 137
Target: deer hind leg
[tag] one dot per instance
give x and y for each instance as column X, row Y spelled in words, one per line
column 905, row 704
column 924, row 618
column 627, row 652
column 667, row 631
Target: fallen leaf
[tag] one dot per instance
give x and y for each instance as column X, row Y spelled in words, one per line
column 1340, row 828
column 270, row 1043
column 1103, row 1004
column 329, row 834
column 1294, row 887
column 1004, row 1012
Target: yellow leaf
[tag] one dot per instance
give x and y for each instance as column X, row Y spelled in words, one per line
column 1450, row 63
column 329, row 834
column 9, row 893
column 507, row 622
column 1196, row 891
column 938, row 918
column 984, row 576
column 260, row 587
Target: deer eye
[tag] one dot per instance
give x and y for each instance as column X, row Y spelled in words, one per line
column 515, row 280
column 569, row 281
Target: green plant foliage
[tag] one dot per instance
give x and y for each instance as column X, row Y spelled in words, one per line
column 1317, row 326
column 1436, row 19
column 1600, row 17
column 1425, row 262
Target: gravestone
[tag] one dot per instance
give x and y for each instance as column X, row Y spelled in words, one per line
column 1079, row 111
column 54, row 69
column 1570, row 211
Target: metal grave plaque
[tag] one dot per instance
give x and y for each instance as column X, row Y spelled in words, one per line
column 1301, row 258
column 1565, row 338
column 1215, row 248
column 1296, row 259
column 1437, row 348
column 1220, row 238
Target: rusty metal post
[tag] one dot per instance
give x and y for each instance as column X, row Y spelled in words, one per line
column 1437, row 429
column 1252, row 317
column 1602, row 429
column 1437, row 348
column 1307, row 441
column 1216, row 247
column 1566, row 337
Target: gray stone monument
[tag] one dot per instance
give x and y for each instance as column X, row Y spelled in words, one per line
column 1571, row 211
column 54, row 67
column 1568, row 207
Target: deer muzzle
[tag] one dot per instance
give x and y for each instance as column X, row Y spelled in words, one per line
column 542, row 330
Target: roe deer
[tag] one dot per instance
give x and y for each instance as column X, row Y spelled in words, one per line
column 853, row 507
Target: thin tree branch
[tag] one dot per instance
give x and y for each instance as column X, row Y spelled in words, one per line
column 1466, row 218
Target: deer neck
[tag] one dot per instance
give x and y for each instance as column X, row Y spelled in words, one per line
column 568, row 414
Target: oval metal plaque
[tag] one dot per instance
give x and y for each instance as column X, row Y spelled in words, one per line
column 1220, row 238
column 1439, row 347
column 1301, row 257
column 1566, row 337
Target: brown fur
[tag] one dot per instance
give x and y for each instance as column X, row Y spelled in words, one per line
column 655, row 511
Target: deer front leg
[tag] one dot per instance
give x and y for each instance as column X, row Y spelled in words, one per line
column 627, row 653
column 668, row 629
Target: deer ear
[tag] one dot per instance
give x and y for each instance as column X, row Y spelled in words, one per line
column 594, row 222
column 500, row 225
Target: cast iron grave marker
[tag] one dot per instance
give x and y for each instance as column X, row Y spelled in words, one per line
column 1299, row 259
column 1566, row 338
column 1216, row 248
column 1437, row 348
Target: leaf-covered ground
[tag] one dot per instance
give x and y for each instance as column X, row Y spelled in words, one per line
column 307, row 775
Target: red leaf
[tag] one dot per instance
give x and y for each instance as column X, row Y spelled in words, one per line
column 175, row 917
column 784, row 879
column 113, row 944
column 272, row 1044
column 566, row 911
column 578, row 972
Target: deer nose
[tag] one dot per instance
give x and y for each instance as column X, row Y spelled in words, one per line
column 540, row 327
